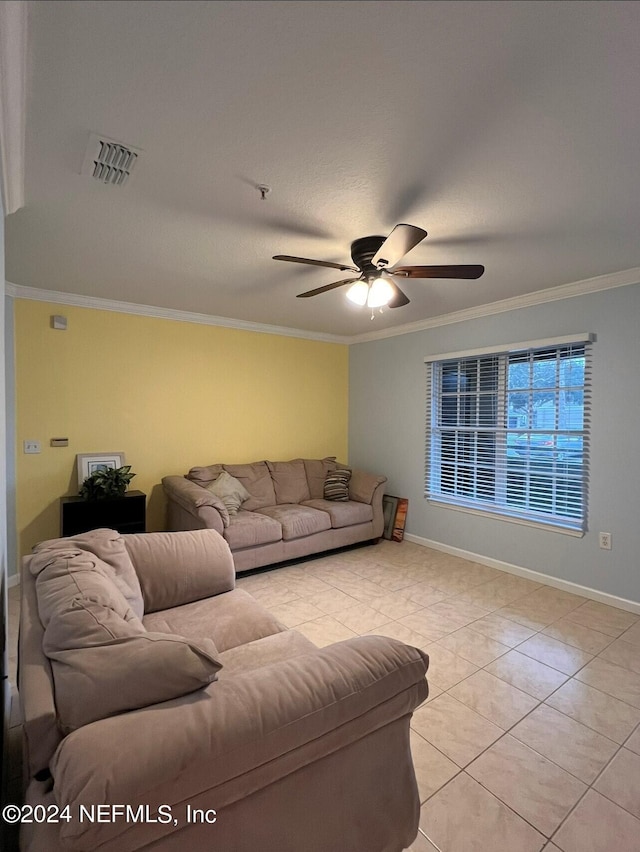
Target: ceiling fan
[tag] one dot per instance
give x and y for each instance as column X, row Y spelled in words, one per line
column 375, row 258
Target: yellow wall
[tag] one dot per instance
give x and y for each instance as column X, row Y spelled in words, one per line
column 169, row 395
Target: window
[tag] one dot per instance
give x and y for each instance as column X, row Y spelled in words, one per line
column 507, row 431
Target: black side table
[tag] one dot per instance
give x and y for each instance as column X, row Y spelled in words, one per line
column 126, row 514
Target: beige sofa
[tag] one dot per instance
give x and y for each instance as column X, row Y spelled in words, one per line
column 147, row 680
column 285, row 516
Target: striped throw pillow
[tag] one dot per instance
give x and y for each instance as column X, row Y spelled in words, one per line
column 336, row 485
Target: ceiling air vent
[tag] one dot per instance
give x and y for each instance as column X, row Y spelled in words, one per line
column 109, row 161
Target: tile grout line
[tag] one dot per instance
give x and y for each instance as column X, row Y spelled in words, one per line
column 591, row 787
column 600, row 774
column 540, row 632
column 506, row 804
column 513, row 648
column 432, row 842
column 506, row 732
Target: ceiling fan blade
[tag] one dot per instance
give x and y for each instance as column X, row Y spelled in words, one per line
column 401, row 240
column 326, row 288
column 399, row 298
column 460, row 271
column 341, row 266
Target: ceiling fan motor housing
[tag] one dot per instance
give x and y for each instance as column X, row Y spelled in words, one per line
column 363, row 250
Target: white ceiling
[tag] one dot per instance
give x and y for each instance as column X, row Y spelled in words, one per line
column 510, row 131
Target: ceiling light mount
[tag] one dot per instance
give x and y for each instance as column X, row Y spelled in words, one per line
column 363, row 251
column 264, row 190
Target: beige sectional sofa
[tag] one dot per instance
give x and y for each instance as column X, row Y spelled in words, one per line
column 164, row 709
column 285, row 515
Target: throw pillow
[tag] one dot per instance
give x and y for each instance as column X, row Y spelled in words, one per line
column 230, row 490
column 108, row 545
column 336, row 485
column 103, row 660
column 103, row 666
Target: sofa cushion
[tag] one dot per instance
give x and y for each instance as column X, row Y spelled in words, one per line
column 262, row 652
column 176, row 568
column 230, row 490
column 231, row 619
column 289, row 481
column 336, row 485
column 204, row 475
column 317, row 470
column 297, row 521
column 250, row 529
column 343, row 514
column 109, row 547
column 257, row 480
column 103, row 660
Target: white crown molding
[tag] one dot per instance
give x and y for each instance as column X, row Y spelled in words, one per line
column 75, row 300
column 553, row 294
column 13, row 73
column 624, row 278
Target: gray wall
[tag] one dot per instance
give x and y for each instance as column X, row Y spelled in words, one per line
column 387, row 434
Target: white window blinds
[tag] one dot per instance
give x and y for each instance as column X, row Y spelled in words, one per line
column 507, row 431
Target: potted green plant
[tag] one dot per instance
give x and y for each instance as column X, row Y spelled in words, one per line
column 107, row 484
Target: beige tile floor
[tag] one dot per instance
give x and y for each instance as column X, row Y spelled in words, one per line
column 530, row 737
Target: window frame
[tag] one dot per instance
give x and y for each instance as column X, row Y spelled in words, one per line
column 498, row 507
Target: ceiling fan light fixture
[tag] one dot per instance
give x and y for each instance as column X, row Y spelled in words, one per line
column 358, row 293
column 380, row 293
column 375, row 260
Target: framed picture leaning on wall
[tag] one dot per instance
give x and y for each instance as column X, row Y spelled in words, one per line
column 89, row 463
column 394, row 510
column 389, row 508
column 400, row 520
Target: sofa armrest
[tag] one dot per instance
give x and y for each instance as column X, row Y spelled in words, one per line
column 363, row 486
column 41, row 734
column 369, row 488
column 194, row 498
column 176, row 568
column 296, row 709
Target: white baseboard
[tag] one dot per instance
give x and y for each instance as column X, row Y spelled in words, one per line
column 13, row 580
column 529, row 574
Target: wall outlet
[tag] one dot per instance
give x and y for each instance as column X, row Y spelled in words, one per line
column 31, row 446
column 605, row 540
